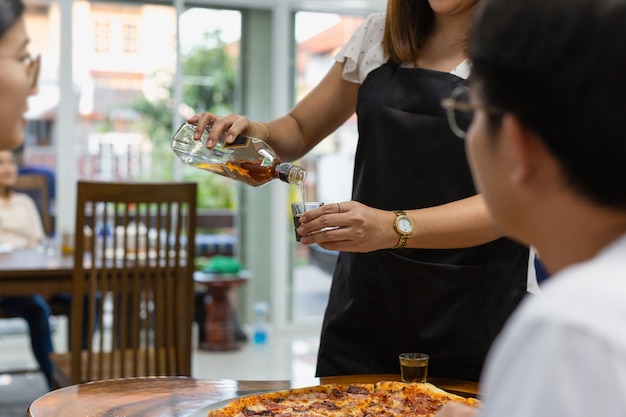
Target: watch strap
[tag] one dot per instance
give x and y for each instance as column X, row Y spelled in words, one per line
column 403, row 241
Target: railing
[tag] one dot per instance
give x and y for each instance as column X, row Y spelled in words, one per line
column 215, row 233
column 213, row 219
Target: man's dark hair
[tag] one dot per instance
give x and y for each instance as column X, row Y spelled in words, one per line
column 10, row 12
column 560, row 67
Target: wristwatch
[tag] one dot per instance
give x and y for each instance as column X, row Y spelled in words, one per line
column 404, row 227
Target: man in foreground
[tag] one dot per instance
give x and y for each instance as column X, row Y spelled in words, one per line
column 547, row 146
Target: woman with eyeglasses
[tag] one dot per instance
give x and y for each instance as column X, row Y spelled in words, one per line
column 18, row 81
column 422, row 267
column 18, row 75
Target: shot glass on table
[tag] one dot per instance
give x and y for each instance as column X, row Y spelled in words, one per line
column 413, row 367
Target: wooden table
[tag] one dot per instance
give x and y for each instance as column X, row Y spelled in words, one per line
column 180, row 396
column 31, row 271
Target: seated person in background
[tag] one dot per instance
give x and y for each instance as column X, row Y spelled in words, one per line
column 21, row 228
column 25, row 168
column 547, row 148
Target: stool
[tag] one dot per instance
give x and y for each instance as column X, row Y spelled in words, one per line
column 220, row 324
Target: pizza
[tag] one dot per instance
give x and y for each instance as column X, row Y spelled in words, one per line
column 385, row 399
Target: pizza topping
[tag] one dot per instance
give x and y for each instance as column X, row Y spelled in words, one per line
column 327, row 405
column 337, row 393
column 384, row 399
column 249, row 412
column 357, row 390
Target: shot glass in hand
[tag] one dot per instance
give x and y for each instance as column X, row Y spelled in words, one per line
column 413, row 367
column 298, row 209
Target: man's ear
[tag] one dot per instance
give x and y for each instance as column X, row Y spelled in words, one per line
column 524, row 148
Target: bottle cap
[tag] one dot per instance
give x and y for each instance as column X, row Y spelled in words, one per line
column 293, row 174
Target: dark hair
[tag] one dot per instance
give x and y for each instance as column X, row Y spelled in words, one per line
column 408, row 24
column 560, row 67
column 10, row 12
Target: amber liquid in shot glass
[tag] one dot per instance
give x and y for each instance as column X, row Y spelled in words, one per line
column 296, row 224
column 414, row 367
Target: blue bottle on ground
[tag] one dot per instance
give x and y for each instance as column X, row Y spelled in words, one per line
column 260, row 323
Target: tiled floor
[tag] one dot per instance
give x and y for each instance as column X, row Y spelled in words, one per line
column 286, row 355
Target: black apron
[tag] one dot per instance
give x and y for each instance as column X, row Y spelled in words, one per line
column 448, row 303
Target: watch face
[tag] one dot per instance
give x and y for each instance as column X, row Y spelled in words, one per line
column 404, row 225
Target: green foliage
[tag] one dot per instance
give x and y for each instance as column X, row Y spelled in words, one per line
column 214, row 191
column 209, row 74
column 156, row 119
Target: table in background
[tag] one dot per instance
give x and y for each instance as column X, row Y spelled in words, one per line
column 32, row 271
column 180, row 396
column 220, row 322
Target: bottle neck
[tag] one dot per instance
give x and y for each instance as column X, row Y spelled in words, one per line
column 290, row 173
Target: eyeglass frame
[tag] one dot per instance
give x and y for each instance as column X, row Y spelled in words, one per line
column 452, row 105
column 32, row 65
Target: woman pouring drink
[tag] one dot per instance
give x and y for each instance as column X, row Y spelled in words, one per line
column 422, row 268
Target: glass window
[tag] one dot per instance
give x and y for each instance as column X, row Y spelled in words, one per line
column 39, row 131
column 319, row 36
column 129, row 31
column 123, row 70
column 102, row 38
column 210, row 42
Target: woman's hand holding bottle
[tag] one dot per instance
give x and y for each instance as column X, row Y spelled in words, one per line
column 233, row 125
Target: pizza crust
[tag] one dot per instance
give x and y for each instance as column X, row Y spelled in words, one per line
column 428, row 389
column 385, row 399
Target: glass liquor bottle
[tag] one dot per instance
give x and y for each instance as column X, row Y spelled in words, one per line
column 249, row 160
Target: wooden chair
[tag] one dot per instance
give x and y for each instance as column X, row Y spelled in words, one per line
column 133, row 282
column 36, row 186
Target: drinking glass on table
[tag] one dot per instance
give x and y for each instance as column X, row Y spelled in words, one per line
column 47, row 245
column 413, row 367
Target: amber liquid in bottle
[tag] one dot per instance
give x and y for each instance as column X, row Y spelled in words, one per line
column 250, row 172
column 248, row 160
